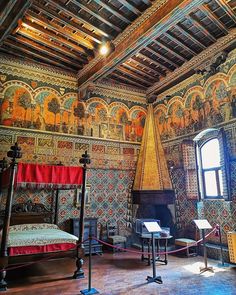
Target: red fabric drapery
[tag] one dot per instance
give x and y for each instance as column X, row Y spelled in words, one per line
column 27, row 250
column 41, row 175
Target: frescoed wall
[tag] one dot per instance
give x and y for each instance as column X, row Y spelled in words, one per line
column 45, row 109
column 42, row 113
column 200, row 107
column 194, row 105
column 40, row 110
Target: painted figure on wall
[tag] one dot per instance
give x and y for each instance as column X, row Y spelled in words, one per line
column 97, row 120
column 220, row 102
column 162, row 123
column 137, row 124
column 16, row 107
column 119, row 123
column 175, row 122
column 199, row 111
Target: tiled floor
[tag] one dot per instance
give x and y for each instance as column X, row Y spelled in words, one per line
column 124, row 274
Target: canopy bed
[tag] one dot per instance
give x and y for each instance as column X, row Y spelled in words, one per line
column 29, row 231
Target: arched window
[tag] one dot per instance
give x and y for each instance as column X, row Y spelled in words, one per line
column 212, row 164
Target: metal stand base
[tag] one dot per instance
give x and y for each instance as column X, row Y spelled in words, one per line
column 157, row 280
column 203, row 269
column 3, row 288
column 89, row 291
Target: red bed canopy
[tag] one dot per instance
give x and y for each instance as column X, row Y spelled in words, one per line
column 42, row 175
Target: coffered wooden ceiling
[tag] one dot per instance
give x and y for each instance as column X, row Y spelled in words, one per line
column 151, row 38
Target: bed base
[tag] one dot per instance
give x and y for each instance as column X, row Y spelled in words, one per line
column 26, row 213
column 33, row 210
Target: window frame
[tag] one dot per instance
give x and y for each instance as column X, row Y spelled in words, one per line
column 216, row 169
column 200, row 140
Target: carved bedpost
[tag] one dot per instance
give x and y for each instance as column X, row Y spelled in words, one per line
column 56, row 207
column 3, row 166
column 79, row 273
column 14, row 153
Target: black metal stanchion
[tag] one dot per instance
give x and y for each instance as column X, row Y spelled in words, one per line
column 218, row 233
column 90, row 290
column 79, row 273
column 154, row 278
column 221, row 247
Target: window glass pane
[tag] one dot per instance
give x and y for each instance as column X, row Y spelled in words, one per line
column 210, row 184
column 210, row 152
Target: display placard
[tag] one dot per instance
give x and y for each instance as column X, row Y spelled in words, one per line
column 202, row 224
column 152, row 227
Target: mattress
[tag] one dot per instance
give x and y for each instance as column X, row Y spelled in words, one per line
column 27, row 239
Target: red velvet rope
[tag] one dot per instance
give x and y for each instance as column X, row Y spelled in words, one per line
column 158, row 253
column 119, row 248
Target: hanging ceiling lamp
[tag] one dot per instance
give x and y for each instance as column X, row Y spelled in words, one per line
column 106, row 48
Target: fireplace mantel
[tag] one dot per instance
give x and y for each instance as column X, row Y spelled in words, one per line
column 154, row 197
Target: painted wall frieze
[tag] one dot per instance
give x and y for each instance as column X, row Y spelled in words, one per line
column 52, row 76
column 107, row 91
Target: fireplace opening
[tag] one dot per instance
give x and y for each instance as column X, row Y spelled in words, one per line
column 164, row 213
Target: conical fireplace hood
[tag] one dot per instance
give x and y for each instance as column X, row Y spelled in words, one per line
column 152, row 182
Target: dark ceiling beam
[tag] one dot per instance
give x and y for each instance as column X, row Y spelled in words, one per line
column 45, row 50
column 189, row 68
column 179, row 42
column 158, row 22
column 167, row 48
column 148, row 2
column 54, row 36
column 125, row 79
column 132, row 74
column 36, row 54
column 69, row 23
column 44, row 41
column 112, row 10
column 201, row 27
column 76, row 16
column 59, row 29
column 168, row 61
column 140, row 71
column 227, row 9
column 10, row 16
column 130, row 6
column 6, row 8
column 205, row 10
column 8, row 50
column 185, row 32
column 146, row 67
column 154, row 62
column 97, row 14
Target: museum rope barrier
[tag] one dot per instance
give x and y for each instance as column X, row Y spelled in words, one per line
column 215, row 229
column 122, row 249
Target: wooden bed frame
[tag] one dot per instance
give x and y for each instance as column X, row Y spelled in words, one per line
column 30, row 213
column 27, row 213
